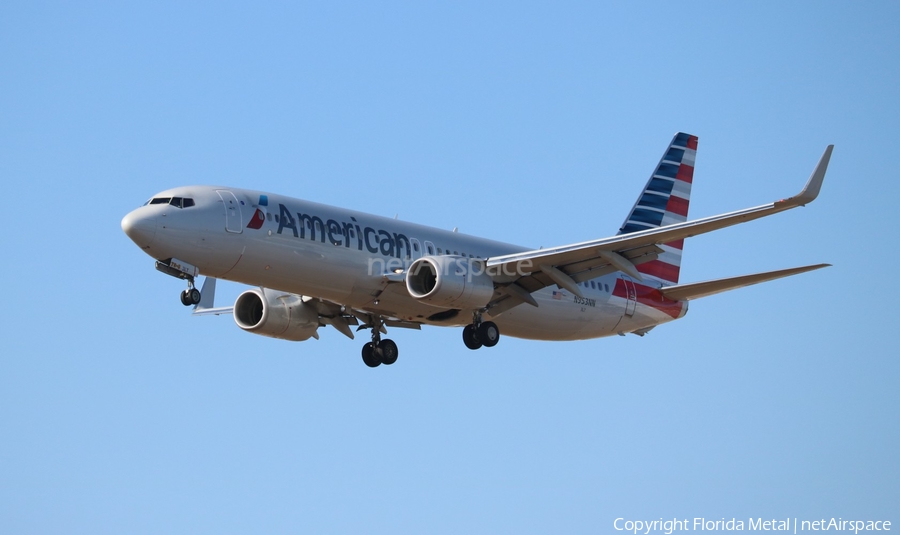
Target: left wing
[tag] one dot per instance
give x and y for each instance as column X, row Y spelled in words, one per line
column 568, row 265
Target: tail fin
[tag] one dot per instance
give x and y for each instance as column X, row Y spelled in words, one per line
column 665, row 201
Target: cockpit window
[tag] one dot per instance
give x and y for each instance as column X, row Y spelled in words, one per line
column 178, row 202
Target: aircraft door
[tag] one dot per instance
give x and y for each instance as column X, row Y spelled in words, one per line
column 233, row 221
column 630, row 296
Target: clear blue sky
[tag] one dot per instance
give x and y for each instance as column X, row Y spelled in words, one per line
column 533, row 123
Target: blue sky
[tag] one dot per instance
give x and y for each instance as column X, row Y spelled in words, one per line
column 532, row 123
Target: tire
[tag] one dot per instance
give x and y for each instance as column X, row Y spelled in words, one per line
column 488, row 334
column 470, row 339
column 194, row 296
column 369, row 357
column 186, row 299
column 388, row 352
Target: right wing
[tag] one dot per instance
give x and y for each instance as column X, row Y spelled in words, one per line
column 340, row 317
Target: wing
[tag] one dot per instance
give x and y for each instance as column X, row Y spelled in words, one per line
column 340, row 317
column 566, row 266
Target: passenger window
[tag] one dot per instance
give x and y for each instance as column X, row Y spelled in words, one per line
column 416, row 246
column 592, row 286
column 440, row 251
column 276, row 219
column 607, row 288
column 269, row 217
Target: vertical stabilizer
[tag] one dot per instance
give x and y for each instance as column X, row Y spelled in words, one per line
column 665, row 201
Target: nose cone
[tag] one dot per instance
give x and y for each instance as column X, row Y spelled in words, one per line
column 140, row 227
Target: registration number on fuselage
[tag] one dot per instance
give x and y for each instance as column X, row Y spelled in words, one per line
column 585, row 301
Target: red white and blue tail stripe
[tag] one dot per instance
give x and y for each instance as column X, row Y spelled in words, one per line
column 665, row 201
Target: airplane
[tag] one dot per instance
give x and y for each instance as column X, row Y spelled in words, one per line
column 314, row 265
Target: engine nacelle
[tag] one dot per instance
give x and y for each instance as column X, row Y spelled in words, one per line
column 450, row 282
column 275, row 314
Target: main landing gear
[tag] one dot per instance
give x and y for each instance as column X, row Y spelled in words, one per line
column 378, row 351
column 480, row 333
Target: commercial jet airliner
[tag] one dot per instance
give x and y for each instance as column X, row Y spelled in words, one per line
column 315, row 265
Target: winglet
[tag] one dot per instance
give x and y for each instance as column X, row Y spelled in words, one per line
column 814, row 184
column 207, row 306
column 207, row 294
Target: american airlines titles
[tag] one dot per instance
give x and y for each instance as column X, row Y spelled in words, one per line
column 394, row 245
column 375, row 241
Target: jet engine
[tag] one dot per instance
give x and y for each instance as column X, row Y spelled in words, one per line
column 276, row 315
column 449, row 282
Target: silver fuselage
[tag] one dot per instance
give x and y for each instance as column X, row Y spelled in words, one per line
column 342, row 256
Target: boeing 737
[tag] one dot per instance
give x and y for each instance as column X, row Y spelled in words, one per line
column 314, row 265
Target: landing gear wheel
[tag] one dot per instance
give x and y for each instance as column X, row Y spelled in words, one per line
column 369, row 356
column 488, row 334
column 470, row 339
column 186, row 298
column 194, row 296
column 387, row 351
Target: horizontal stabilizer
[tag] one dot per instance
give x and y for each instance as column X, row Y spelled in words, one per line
column 696, row 290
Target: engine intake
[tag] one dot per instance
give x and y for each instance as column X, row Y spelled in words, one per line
column 450, row 282
column 276, row 315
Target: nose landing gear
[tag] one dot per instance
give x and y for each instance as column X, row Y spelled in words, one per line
column 184, row 271
column 191, row 296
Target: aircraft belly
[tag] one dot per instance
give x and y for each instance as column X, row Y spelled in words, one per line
column 553, row 319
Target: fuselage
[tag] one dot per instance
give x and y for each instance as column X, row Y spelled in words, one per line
column 348, row 257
